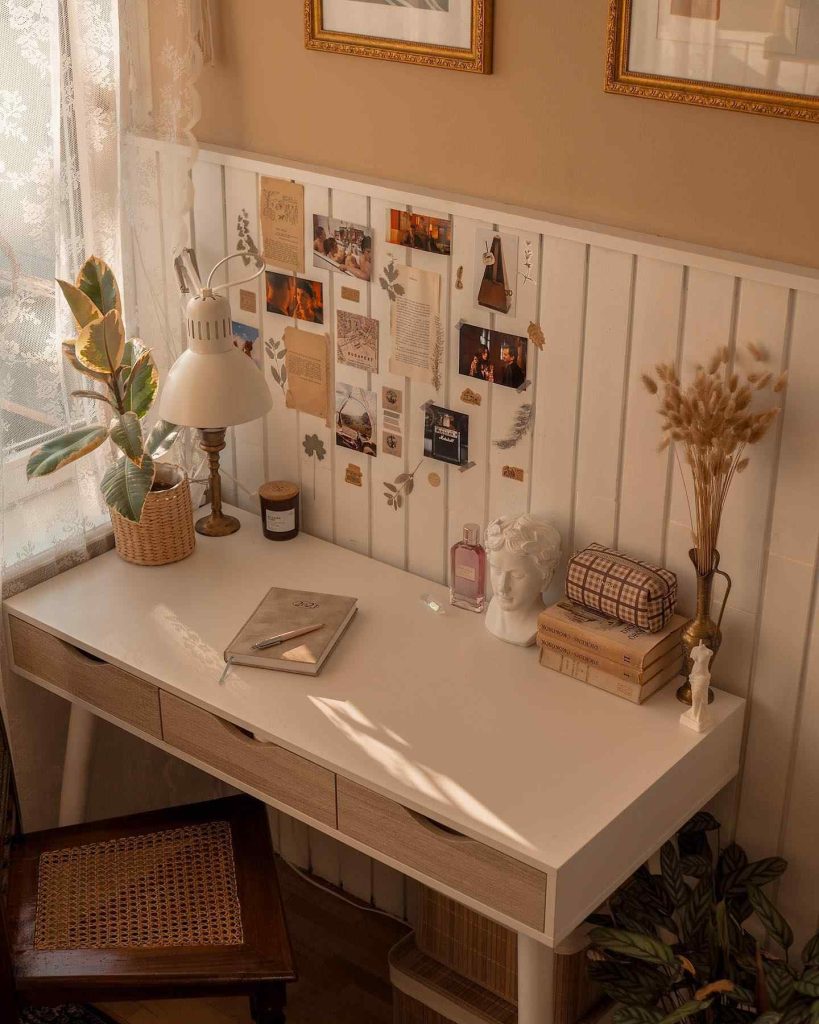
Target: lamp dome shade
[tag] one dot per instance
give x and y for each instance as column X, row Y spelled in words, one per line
column 212, row 384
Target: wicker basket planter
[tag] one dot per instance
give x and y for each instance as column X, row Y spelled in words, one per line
column 165, row 532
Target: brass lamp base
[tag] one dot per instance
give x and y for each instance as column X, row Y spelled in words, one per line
column 217, row 524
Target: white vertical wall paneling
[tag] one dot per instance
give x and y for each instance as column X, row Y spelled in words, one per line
column 426, row 512
column 467, row 489
column 604, row 368
column 508, row 496
column 168, row 168
column 317, row 496
column 352, row 519
column 211, row 245
column 388, row 541
column 324, row 856
column 559, row 366
column 789, row 585
column 658, row 293
column 389, row 889
column 242, row 200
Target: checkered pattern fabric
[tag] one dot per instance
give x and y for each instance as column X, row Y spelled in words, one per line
column 612, row 583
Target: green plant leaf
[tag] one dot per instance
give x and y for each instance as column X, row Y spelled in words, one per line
column 637, row 1015
column 97, row 281
column 101, row 344
column 70, row 353
column 758, row 873
column 696, row 913
column 810, row 954
column 126, row 433
column 701, row 822
column 775, row 924
column 799, row 1013
column 143, row 381
column 689, row 1009
column 82, row 308
column 808, row 984
column 59, row 451
column 125, row 486
column 98, row 395
column 642, row 947
column 635, row 983
column 695, row 865
column 779, row 982
column 723, row 930
column 771, row 1017
column 161, row 438
column 672, row 875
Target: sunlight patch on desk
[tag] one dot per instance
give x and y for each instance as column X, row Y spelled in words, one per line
column 170, row 623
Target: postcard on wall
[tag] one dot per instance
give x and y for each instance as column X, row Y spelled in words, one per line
column 356, row 418
column 415, row 231
column 293, row 296
column 245, row 338
column 342, row 246
column 492, row 356
column 446, row 435
column 307, row 361
column 415, row 326
column 357, row 340
column 281, row 211
column 496, row 270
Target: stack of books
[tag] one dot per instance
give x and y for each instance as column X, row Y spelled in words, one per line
column 611, row 655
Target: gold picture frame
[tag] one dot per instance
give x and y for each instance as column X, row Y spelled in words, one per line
column 622, row 80
column 476, row 59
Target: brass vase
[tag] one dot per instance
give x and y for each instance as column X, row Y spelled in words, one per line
column 702, row 626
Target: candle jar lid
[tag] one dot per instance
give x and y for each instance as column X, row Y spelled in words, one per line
column 278, row 490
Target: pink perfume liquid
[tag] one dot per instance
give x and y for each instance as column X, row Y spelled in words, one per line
column 467, row 576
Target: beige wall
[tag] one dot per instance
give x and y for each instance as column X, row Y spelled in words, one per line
column 539, row 132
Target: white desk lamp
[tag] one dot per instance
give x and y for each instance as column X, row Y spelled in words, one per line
column 213, row 385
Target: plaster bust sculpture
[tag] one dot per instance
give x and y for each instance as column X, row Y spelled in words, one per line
column 523, row 552
column 697, row 718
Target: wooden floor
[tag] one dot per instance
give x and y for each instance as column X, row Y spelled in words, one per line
column 341, row 957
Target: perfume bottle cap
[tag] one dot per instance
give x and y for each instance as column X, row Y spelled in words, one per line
column 472, row 533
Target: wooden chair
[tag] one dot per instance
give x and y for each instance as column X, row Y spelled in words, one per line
column 176, row 903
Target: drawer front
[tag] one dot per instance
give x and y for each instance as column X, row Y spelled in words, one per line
column 281, row 774
column 469, row 867
column 101, row 685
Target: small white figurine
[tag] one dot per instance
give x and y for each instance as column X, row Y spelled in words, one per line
column 698, row 717
column 523, row 552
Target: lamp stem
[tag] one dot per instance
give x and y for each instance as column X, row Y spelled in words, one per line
column 212, row 441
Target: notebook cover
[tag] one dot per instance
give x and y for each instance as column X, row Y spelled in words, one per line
column 282, row 610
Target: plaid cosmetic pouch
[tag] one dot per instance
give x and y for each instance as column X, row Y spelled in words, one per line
column 612, row 583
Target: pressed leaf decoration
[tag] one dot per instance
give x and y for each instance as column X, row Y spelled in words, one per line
column 400, row 488
column 519, row 429
column 276, row 352
column 389, row 281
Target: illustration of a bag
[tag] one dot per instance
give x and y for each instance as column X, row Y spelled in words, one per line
column 493, row 293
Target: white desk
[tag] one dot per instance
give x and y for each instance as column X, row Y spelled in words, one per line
column 558, row 786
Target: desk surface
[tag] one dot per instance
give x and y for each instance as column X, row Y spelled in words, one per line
column 427, row 709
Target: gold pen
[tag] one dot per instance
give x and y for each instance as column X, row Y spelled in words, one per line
column 274, row 641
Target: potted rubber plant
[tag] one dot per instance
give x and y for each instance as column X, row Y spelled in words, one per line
column 149, row 501
column 702, row 942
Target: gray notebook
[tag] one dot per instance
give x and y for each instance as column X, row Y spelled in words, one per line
column 279, row 612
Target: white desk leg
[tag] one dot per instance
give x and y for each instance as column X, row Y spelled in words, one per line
column 536, row 964
column 77, row 766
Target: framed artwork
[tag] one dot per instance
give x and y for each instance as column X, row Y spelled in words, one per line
column 758, row 56
column 453, row 34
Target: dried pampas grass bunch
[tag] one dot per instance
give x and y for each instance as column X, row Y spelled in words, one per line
column 712, row 420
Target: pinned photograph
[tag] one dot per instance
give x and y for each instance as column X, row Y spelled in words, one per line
column 357, row 340
column 446, row 435
column 496, row 270
column 393, row 444
column 392, row 398
column 492, row 356
column 294, row 297
column 415, row 231
column 342, row 246
column 356, row 417
column 244, row 337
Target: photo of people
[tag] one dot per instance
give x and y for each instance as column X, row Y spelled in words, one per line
column 294, row 297
column 492, row 356
column 430, row 234
column 244, row 337
column 356, row 417
column 342, row 246
column 446, row 435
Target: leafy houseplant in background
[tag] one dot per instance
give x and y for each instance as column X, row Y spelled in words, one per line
column 678, row 946
column 149, row 501
column 711, row 421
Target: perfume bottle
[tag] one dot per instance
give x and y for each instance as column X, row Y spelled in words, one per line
column 467, row 587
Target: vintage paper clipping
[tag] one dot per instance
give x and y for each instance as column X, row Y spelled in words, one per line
column 281, row 207
column 357, row 340
column 308, row 379
column 416, row 330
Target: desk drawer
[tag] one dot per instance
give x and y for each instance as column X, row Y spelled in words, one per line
column 103, row 686
column 281, row 774
column 469, row 867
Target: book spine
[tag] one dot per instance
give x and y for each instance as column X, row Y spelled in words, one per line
column 567, row 632
column 547, row 638
column 628, row 690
